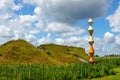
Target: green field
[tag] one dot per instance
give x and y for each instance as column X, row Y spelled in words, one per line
column 111, row 77
column 102, row 69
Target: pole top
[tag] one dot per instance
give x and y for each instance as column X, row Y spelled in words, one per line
column 90, row 21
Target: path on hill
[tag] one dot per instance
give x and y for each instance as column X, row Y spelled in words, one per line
column 83, row 60
column 80, row 59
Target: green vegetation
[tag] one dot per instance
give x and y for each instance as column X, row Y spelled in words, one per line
column 115, row 62
column 20, row 51
column 75, row 71
column 111, row 77
column 19, row 60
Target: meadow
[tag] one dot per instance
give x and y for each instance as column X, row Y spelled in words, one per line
column 75, row 71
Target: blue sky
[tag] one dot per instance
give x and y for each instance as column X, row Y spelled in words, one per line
column 62, row 22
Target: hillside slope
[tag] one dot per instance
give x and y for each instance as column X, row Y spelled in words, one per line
column 24, row 52
column 64, row 53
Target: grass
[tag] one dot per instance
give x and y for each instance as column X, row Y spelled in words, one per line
column 47, row 72
column 115, row 63
column 111, row 77
column 76, row 71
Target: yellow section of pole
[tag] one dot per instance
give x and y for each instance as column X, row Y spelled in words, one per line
column 91, row 50
column 90, row 32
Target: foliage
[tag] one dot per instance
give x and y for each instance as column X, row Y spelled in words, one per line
column 75, row 71
column 114, row 61
column 111, row 77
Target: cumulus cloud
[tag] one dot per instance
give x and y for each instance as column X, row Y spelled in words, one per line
column 33, row 2
column 9, row 5
column 71, row 11
column 44, row 40
column 37, row 11
column 109, row 37
column 64, row 29
column 30, row 38
column 6, row 32
column 73, row 41
column 60, row 41
column 82, row 41
column 117, row 41
column 114, row 20
column 14, row 26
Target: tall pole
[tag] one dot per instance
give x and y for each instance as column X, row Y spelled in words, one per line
column 91, row 41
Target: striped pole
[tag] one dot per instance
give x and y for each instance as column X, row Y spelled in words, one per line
column 91, row 41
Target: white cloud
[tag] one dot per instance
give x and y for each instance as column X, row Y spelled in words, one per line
column 73, row 41
column 109, row 37
column 37, row 11
column 16, row 35
column 27, row 20
column 33, row 2
column 6, row 32
column 9, row 4
column 82, row 41
column 117, row 41
column 34, row 31
column 116, row 46
column 100, row 46
column 114, row 20
column 17, row 7
column 39, row 24
column 44, row 40
column 60, row 41
column 63, row 29
column 62, row 11
column 13, row 26
column 30, row 38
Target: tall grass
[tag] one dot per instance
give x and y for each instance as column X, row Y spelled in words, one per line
column 74, row 71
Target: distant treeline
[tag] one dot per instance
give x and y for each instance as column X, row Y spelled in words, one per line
column 110, row 55
column 113, row 55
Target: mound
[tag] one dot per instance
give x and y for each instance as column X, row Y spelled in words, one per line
column 20, row 51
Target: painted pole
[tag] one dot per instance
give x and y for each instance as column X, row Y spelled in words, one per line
column 91, row 41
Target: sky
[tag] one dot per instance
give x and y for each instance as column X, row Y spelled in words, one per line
column 63, row 22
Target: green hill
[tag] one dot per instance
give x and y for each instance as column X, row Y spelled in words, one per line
column 64, row 54
column 23, row 52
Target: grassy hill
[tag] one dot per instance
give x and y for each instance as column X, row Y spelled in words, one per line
column 64, row 53
column 21, row 51
column 24, row 52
